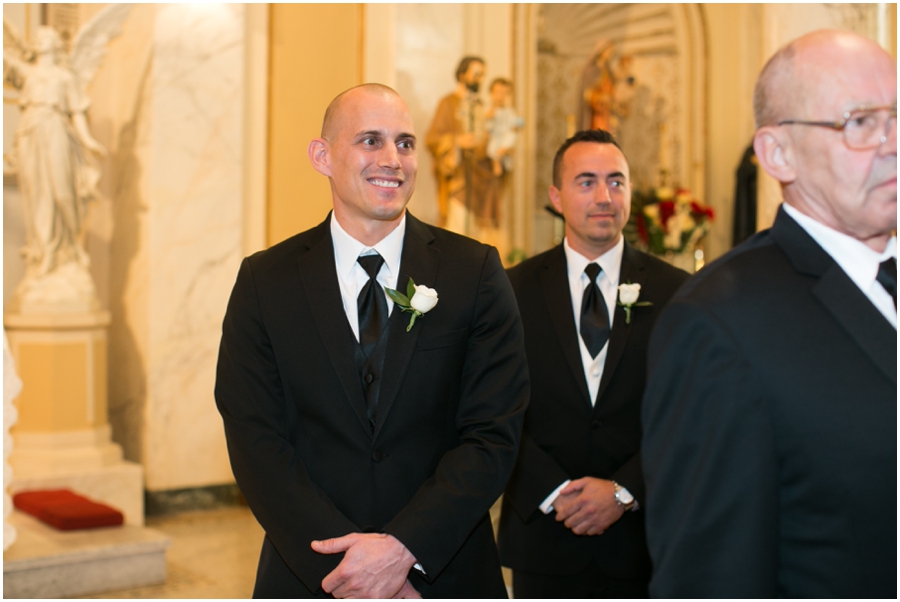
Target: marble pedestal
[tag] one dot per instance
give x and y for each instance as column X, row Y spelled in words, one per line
column 62, row 437
column 46, row 563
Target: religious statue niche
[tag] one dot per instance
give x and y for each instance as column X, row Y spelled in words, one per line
column 56, row 158
column 607, row 88
column 471, row 144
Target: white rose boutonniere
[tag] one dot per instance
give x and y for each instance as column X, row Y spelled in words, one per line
column 418, row 300
column 628, row 298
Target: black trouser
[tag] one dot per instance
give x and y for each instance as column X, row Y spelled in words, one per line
column 589, row 583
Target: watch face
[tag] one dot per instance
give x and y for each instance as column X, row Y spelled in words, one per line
column 624, row 496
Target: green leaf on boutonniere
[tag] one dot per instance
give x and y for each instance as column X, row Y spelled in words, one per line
column 410, row 289
column 398, row 297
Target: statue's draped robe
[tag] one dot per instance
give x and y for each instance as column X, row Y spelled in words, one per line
column 451, row 164
column 56, row 174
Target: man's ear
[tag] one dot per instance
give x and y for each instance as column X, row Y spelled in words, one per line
column 554, row 198
column 775, row 152
column 319, row 156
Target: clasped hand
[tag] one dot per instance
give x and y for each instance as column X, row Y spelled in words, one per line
column 375, row 565
column 588, row 506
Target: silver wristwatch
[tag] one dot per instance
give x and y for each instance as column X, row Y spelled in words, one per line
column 624, row 497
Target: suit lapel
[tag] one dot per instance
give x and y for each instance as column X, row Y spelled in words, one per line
column 323, row 293
column 419, row 261
column 632, row 271
column 555, row 282
column 839, row 295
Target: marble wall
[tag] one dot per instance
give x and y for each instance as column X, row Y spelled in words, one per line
column 169, row 103
column 194, row 190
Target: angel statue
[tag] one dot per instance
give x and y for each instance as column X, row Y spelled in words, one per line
column 56, row 158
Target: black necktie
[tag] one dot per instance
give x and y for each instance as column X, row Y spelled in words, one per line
column 887, row 277
column 371, row 304
column 594, row 314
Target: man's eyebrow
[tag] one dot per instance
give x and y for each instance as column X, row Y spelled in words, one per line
column 407, row 136
column 592, row 174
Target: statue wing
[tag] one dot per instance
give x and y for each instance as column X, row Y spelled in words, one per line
column 15, row 53
column 89, row 46
column 13, row 46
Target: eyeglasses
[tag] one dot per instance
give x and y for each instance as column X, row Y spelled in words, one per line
column 863, row 128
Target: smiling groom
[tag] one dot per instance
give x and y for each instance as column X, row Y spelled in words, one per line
column 371, row 453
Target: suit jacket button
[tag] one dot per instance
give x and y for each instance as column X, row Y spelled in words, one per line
column 595, row 424
column 369, row 529
column 369, row 379
column 377, row 455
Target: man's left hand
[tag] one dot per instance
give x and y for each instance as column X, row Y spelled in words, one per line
column 588, row 506
column 375, row 565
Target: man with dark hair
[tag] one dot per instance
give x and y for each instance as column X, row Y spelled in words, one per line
column 471, row 77
column 572, row 523
column 370, row 434
column 458, row 141
column 770, row 417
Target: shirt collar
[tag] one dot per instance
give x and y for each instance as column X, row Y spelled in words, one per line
column 347, row 249
column 610, row 262
column 858, row 260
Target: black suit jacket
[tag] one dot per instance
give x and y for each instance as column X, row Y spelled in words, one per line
column 452, row 398
column 770, row 430
column 564, row 437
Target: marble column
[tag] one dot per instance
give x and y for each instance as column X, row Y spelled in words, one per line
column 12, row 385
column 191, row 152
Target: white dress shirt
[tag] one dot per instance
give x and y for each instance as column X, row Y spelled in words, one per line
column 859, row 261
column 608, row 281
column 352, row 277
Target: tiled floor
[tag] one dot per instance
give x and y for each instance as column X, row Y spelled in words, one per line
column 213, row 555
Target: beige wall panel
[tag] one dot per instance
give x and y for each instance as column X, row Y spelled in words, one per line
column 733, row 60
column 100, row 384
column 316, row 53
column 54, row 398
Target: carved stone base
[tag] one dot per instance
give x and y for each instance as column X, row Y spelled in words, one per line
column 64, row 453
column 62, row 438
column 68, row 289
column 46, row 563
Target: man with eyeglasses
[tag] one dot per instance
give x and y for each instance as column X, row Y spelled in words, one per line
column 770, row 413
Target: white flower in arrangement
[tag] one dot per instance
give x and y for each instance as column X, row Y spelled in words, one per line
column 672, row 238
column 665, row 192
column 424, row 299
column 418, row 300
column 680, row 222
column 628, row 299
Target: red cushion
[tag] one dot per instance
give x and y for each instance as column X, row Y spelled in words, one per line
column 66, row 510
column 33, row 501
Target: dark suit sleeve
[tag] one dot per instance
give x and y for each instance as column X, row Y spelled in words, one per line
column 709, row 463
column 631, row 476
column 494, row 393
column 535, row 476
column 290, row 508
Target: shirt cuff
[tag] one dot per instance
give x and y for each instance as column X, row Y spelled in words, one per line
column 419, row 568
column 547, row 506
